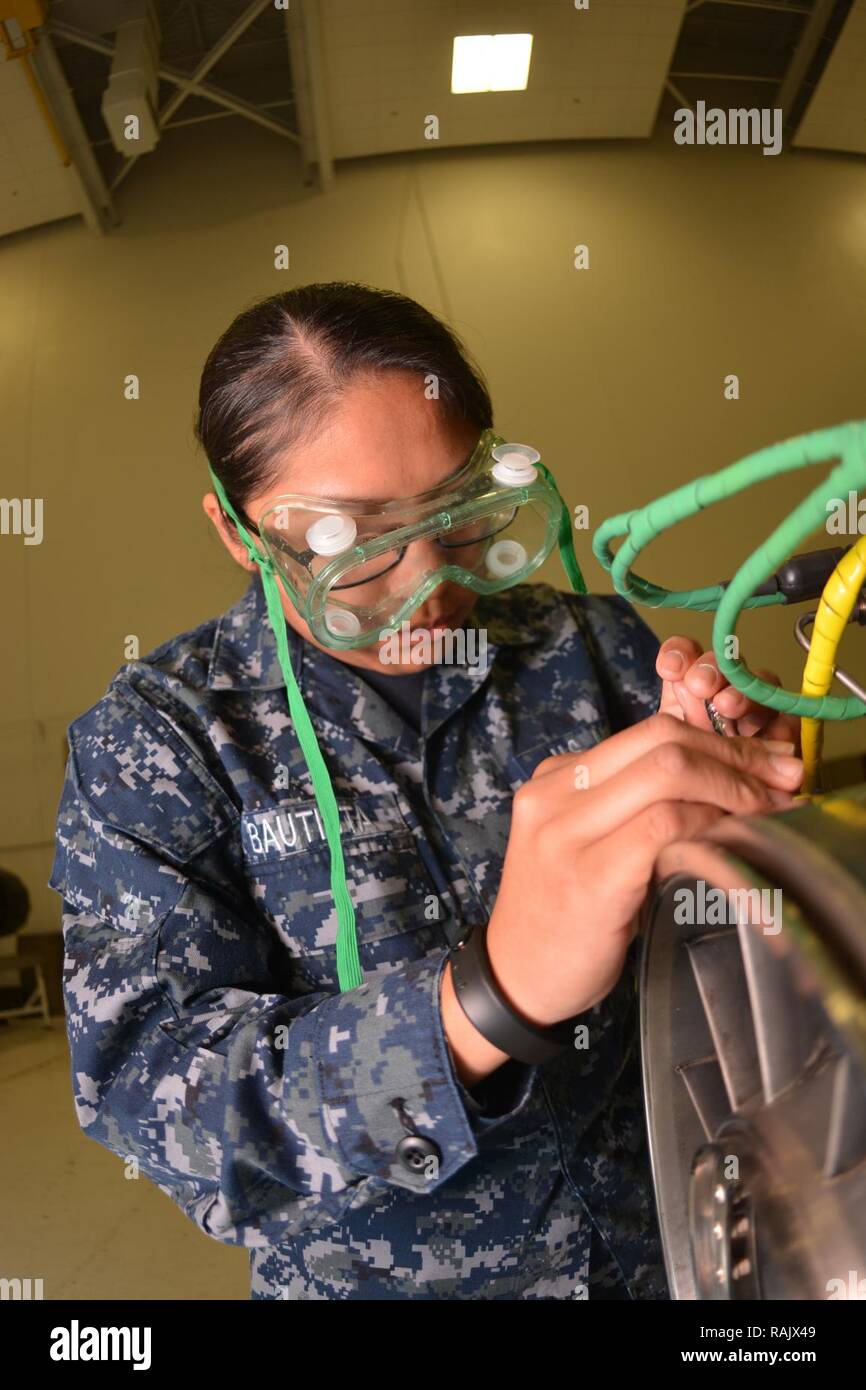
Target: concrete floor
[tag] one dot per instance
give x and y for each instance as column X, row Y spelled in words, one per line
column 68, row 1215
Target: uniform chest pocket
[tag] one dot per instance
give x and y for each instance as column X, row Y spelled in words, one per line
column 565, row 738
column 398, row 915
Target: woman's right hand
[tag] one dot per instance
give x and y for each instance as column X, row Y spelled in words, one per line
column 586, row 830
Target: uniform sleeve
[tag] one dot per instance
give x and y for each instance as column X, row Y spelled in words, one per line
column 261, row 1109
column 625, row 649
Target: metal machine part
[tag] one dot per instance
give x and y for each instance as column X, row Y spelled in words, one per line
column 801, row 633
column 753, row 1034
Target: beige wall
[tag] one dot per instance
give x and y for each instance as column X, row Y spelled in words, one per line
column 704, row 261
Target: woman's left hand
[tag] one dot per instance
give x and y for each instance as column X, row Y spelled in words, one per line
column 690, row 676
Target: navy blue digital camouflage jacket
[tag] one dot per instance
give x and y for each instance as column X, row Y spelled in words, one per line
column 208, row 1036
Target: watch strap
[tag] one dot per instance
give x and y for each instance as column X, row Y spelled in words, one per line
column 489, row 1011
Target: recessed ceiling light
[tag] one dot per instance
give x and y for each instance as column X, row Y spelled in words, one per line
column 491, row 62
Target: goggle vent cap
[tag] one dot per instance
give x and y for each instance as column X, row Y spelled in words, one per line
column 331, row 534
column 514, row 464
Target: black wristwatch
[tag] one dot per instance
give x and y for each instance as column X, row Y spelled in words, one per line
column 486, row 1008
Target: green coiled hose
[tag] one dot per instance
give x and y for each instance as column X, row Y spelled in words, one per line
column 847, row 443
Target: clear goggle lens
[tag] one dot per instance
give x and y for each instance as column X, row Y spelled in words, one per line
column 465, row 545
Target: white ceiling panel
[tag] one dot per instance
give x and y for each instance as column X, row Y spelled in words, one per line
column 596, row 73
column 35, row 187
column 836, row 116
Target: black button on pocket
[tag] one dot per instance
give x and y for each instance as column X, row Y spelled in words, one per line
column 415, row 1151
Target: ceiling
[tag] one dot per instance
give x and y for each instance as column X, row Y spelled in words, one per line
column 596, row 74
column 836, row 116
column 340, row 79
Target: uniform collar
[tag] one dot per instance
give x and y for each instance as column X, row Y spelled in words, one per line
column 244, row 655
column 245, row 658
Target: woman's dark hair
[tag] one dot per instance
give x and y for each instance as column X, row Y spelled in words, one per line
column 285, row 361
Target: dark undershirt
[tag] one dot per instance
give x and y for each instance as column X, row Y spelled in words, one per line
column 402, row 693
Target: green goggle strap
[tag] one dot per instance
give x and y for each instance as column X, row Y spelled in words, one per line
column 349, row 973
column 566, row 542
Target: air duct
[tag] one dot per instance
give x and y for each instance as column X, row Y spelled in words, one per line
column 130, row 101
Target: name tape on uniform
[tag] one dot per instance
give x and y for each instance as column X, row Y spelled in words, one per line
column 298, row 827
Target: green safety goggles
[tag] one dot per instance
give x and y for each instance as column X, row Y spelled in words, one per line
column 355, row 570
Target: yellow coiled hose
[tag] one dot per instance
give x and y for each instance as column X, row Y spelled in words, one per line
column 834, row 610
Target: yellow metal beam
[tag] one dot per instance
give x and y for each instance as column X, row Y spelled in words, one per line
column 17, row 40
